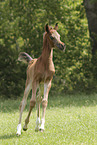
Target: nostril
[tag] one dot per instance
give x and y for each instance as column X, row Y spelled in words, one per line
column 51, row 37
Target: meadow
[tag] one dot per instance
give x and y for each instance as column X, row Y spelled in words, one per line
column 70, row 120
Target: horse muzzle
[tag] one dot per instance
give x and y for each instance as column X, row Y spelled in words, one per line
column 61, row 46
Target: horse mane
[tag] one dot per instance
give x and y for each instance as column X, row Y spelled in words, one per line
column 46, row 43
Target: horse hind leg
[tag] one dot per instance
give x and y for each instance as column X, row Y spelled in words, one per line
column 38, row 114
column 32, row 105
column 38, row 100
column 22, row 106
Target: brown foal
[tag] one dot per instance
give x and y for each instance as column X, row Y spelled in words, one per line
column 39, row 75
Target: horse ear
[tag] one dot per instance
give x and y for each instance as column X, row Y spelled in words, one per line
column 47, row 29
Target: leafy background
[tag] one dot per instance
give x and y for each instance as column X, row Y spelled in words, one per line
column 21, row 29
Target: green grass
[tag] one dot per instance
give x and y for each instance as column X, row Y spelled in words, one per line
column 70, row 120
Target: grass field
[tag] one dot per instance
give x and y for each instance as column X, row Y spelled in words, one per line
column 70, row 120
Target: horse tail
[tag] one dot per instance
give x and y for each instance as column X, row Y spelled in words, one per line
column 23, row 56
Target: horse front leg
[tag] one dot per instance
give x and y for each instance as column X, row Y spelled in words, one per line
column 47, row 87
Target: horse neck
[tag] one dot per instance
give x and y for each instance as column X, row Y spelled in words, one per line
column 47, row 53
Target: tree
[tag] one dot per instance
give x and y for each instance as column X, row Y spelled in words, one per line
column 91, row 13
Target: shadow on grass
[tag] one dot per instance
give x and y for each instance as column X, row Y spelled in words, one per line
column 59, row 100
column 8, row 136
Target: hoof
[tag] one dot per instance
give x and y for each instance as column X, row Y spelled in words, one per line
column 25, row 129
column 41, row 130
column 36, row 130
column 18, row 130
column 17, row 134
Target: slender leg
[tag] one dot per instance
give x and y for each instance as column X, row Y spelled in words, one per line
column 38, row 115
column 22, row 106
column 39, row 99
column 47, row 87
column 32, row 104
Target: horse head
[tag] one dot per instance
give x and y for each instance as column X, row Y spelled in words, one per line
column 54, row 38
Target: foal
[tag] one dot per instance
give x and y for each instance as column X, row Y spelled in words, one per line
column 39, row 72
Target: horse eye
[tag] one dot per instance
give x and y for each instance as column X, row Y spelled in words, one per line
column 51, row 37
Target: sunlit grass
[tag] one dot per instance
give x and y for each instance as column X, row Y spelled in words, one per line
column 70, row 120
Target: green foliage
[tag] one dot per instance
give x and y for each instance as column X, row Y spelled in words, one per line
column 22, row 26
column 73, row 67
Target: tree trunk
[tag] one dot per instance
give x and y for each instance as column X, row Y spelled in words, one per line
column 91, row 13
